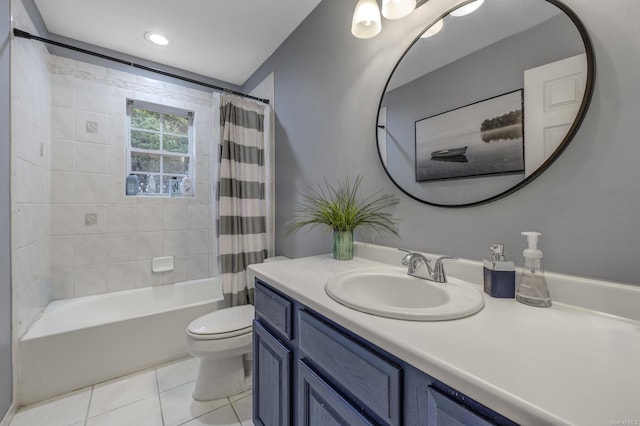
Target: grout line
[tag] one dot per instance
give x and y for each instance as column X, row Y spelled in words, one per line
column 177, row 386
column 155, row 372
column 233, row 407
column 122, row 406
column 86, row 416
column 208, row 412
column 156, row 393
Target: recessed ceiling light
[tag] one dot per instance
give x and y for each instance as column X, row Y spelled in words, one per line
column 156, row 38
column 467, row 9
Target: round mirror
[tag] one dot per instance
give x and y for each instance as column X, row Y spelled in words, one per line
column 480, row 104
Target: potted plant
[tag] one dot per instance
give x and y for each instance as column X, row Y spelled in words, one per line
column 342, row 211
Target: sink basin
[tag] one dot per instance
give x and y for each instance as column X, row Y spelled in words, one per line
column 390, row 292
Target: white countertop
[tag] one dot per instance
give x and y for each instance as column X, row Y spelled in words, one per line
column 558, row 365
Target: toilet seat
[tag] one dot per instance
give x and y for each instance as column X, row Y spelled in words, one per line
column 220, row 336
column 223, row 323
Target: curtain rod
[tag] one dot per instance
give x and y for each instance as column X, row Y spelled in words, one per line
column 24, row 34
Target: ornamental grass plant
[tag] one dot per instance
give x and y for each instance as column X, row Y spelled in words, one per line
column 342, row 210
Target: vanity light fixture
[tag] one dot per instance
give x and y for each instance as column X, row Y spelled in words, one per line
column 366, row 19
column 397, row 9
column 467, row 8
column 461, row 11
column 434, row 29
column 156, row 38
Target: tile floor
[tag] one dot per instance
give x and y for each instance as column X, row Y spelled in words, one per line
column 160, row 396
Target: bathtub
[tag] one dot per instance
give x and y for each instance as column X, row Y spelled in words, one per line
column 86, row 340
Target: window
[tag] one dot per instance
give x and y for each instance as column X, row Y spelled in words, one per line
column 160, row 145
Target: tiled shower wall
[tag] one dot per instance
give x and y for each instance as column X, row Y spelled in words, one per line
column 102, row 240
column 30, row 177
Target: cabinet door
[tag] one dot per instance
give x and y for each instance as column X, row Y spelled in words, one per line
column 271, row 379
column 444, row 411
column 320, row 405
column 359, row 373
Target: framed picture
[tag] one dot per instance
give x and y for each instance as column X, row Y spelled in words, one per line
column 482, row 139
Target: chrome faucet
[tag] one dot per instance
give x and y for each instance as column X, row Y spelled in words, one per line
column 420, row 267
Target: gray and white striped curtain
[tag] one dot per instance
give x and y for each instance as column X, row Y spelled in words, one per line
column 241, row 201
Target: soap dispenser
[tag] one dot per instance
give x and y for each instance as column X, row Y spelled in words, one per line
column 499, row 275
column 532, row 288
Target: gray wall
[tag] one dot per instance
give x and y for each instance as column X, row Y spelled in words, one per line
column 6, row 379
column 327, row 88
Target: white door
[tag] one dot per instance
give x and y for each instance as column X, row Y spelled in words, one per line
column 552, row 97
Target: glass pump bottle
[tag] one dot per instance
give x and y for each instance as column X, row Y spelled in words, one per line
column 532, row 289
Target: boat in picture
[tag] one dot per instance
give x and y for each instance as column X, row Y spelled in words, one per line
column 449, row 152
column 452, row 159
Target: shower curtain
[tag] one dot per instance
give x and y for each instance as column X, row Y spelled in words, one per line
column 240, row 195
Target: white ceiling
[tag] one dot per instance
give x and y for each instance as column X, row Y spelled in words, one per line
column 461, row 36
column 224, row 39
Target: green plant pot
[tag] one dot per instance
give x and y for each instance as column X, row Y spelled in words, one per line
column 343, row 245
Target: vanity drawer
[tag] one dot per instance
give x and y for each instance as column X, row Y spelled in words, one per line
column 353, row 369
column 274, row 310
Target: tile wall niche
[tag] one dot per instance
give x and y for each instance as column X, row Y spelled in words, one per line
column 88, row 164
column 30, row 176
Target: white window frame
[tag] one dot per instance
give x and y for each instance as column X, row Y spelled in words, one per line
column 162, row 109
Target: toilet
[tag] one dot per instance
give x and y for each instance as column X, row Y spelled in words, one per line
column 222, row 340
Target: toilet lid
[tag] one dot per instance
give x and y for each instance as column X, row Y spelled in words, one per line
column 223, row 321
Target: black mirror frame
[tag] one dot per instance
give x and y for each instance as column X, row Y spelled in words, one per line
column 582, row 111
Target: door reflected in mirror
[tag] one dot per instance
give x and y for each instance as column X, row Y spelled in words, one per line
column 509, row 84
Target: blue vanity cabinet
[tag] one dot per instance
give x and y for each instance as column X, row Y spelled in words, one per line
column 275, row 311
column 272, row 358
column 319, row 404
column 442, row 410
column 310, row 371
column 370, row 381
column 271, row 379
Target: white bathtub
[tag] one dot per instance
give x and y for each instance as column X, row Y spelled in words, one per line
column 86, row 340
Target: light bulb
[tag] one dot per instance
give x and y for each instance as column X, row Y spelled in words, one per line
column 433, row 29
column 397, row 9
column 467, row 8
column 366, row 19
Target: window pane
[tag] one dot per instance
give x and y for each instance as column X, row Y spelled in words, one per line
column 175, row 165
column 176, row 124
column 143, row 119
column 166, row 139
column 176, row 144
column 145, row 140
column 145, row 163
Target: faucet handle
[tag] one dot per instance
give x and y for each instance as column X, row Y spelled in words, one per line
column 408, row 257
column 439, row 274
column 411, row 260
